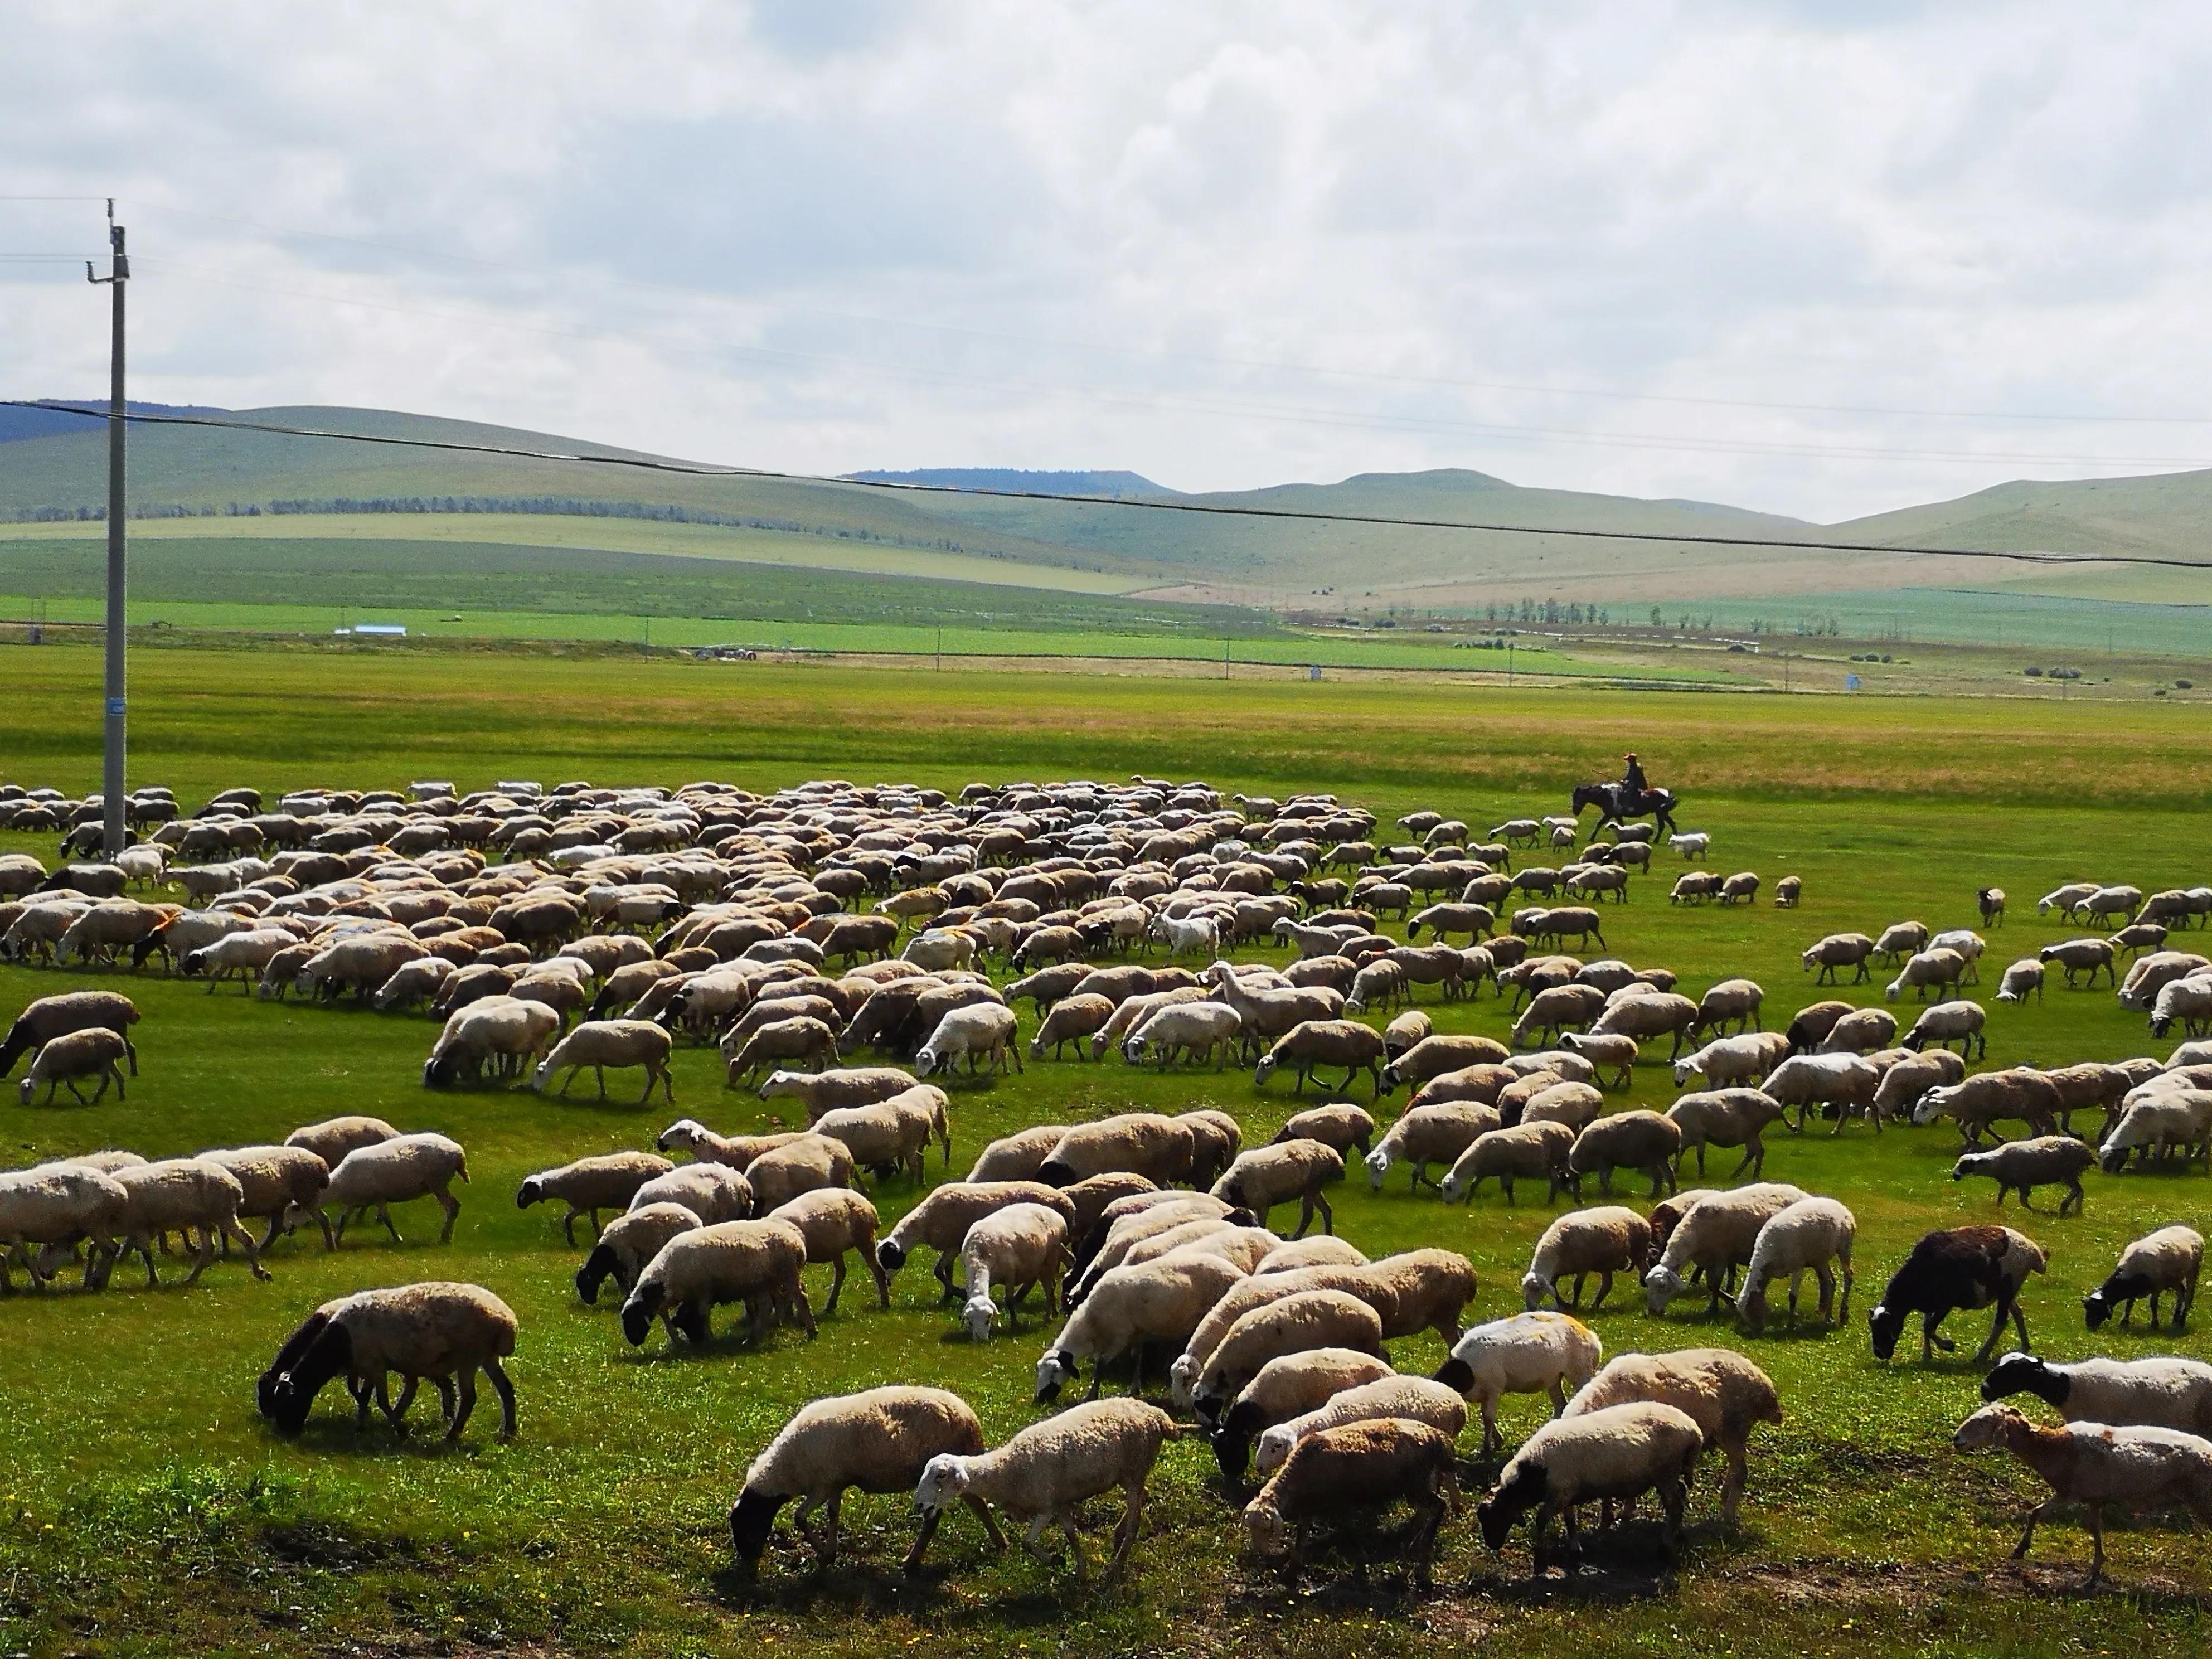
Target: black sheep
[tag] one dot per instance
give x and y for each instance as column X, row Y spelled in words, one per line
column 1949, row 1269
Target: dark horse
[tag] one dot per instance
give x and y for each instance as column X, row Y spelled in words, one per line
column 1617, row 803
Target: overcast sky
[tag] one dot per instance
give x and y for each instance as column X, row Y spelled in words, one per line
column 1816, row 258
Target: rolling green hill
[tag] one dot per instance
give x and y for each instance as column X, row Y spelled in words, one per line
column 225, row 489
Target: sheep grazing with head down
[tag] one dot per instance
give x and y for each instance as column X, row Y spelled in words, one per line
column 600, row 1043
column 1955, row 1267
column 607, row 1181
column 48, row 1017
column 835, row 1220
column 1847, row 1082
column 1531, row 1151
column 443, row 1331
column 1148, row 1144
column 628, row 1243
column 712, row 1192
column 1304, row 1319
column 2168, row 1261
column 1282, row 1173
column 1129, row 1309
column 1285, row 1387
column 1603, row 1240
column 2021, row 979
column 1619, row 1453
column 1806, row 1236
column 877, row 1441
column 92, row 1052
column 1726, row 1117
column 1415, row 1399
column 1430, row 1135
column 389, row 1172
column 2096, row 1464
column 1533, row 1353
column 1643, row 1141
column 1356, row 1468
column 1732, row 1061
column 942, row 1219
column 1906, row 1084
column 798, row 1166
column 1720, row 1391
column 755, row 1262
column 1716, row 1235
column 1042, row 1475
column 1020, row 1248
column 1344, row 1128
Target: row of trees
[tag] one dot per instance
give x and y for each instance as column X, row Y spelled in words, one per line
column 1574, row 615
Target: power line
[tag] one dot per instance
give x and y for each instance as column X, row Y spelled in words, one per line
column 689, row 469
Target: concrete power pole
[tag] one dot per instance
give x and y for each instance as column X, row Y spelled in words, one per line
column 112, row 827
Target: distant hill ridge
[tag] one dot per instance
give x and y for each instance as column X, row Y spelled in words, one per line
column 18, row 424
column 1114, row 484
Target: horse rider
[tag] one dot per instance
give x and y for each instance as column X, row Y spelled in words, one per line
column 1632, row 780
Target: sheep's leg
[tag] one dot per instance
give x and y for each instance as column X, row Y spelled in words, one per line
column 1125, row 1535
column 395, row 1411
column 600, row 1073
column 1492, row 1440
column 467, row 1384
column 836, row 1284
column 384, row 1214
column 1075, row 1545
column 1604, row 1290
column 2027, row 1537
column 452, row 1206
column 232, row 1229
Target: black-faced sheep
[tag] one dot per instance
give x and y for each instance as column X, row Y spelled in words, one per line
column 1953, row 1267
column 2168, row 1260
column 443, row 1331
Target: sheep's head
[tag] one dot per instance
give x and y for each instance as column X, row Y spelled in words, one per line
column 1054, row 1372
column 1378, row 1165
column 1265, row 1530
column 751, row 1517
column 533, row 1191
column 638, row 1310
column 2023, row 1373
column 1524, row 1491
column 683, row 1135
column 1992, row 1426
column 598, row 1266
column 1534, row 1287
column 1661, row 1285
column 1932, row 1106
column 1885, row 1324
column 944, row 1478
column 979, row 1315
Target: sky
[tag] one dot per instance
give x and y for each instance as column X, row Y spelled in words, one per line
column 1819, row 259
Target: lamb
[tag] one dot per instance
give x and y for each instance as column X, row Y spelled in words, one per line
column 184, row 1194
column 60, row 1205
column 1430, row 1135
column 1071, row 1019
column 1343, row 1127
column 48, row 1017
column 1047, row 1470
column 444, row 1331
column 608, row 1181
column 1618, row 1452
column 1318, row 1043
column 1304, row 1319
column 333, row 1137
column 2080, row 955
column 2161, row 1393
column 877, row 1441
column 1743, row 1059
column 1525, row 1151
column 631, row 1240
column 1846, row 1081
column 1019, row 1248
column 273, row 1180
column 1692, row 885
column 1640, row 1141
column 600, row 1044
column 1978, row 1102
column 92, row 1052
column 1130, row 1308
column 1605, row 1049
column 1359, row 1465
column 798, row 1166
column 1980, row 1266
column 1935, row 970
column 1286, row 1171
column 1726, row 1117
column 1692, row 844
column 1717, row 1234
column 2168, row 1260
column 1158, row 1147
column 1724, row 1394
column 1905, row 1085
column 1839, row 951
column 756, row 1262
column 1286, row 1388
column 1948, row 1023
column 391, row 1172
column 942, row 1219
column 1743, row 885
column 1604, row 1241
column 2045, row 1161
column 2095, row 1464
column 1809, row 1234
column 982, row 1032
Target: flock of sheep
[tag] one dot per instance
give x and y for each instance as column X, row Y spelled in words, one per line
column 838, row 944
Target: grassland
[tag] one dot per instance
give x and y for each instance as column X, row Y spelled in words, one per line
column 147, row 1510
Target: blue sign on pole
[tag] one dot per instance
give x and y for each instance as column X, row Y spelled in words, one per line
column 115, row 705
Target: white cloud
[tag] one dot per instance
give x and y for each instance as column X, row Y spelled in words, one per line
column 1017, row 232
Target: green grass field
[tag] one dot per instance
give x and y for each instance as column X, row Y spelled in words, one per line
column 147, row 1510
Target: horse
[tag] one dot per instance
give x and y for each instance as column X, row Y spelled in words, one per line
column 1617, row 803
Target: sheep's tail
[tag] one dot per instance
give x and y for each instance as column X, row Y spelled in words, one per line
column 1185, row 1431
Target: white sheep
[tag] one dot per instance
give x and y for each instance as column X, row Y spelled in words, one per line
column 982, row 1032
column 1159, row 1302
column 1048, row 1469
column 1303, row 1319
column 600, row 1043
column 756, row 1262
column 1716, row 1235
column 877, row 1441
column 1807, row 1235
column 1604, row 1241
column 186, row 1195
column 1729, row 1060
column 1287, row 1387
column 1416, row 1399
column 1533, row 1353
column 607, row 1181
column 1428, row 1134
column 1019, row 1248
column 390, row 1172
column 1619, row 1453
column 1724, row 1394
column 2020, row 979
column 1192, row 1031
column 2168, row 1260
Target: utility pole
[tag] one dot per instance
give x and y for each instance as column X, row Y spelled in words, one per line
column 112, row 770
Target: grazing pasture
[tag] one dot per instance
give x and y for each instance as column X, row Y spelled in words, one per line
column 150, row 1509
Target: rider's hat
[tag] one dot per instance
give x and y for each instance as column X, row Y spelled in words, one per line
column 1629, row 756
